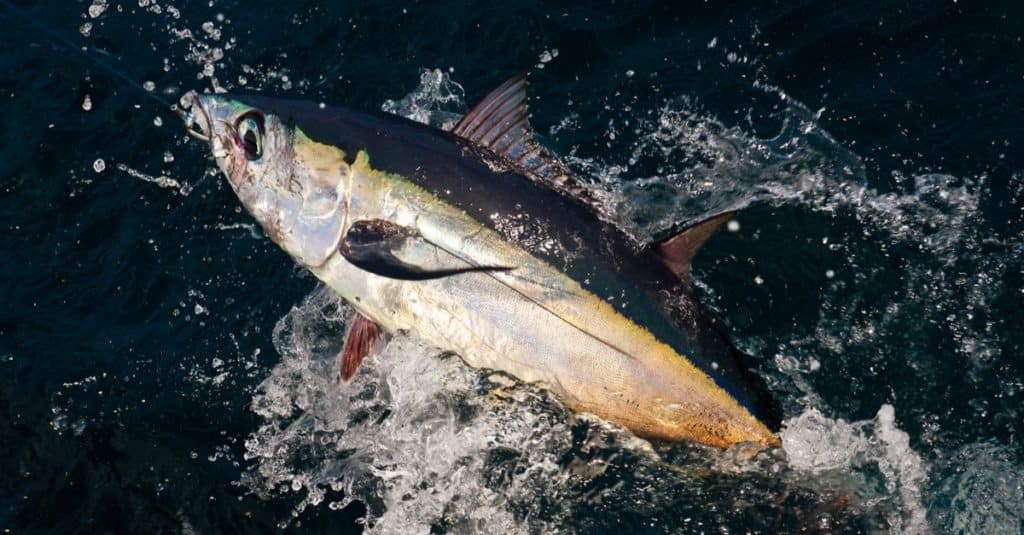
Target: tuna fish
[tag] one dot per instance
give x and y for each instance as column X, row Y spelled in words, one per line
column 480, row 242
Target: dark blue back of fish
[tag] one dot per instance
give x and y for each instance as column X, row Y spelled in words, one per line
column 550, row 225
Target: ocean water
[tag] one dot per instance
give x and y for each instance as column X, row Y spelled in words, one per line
column 165, row 368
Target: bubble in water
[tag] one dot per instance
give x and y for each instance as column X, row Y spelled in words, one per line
column 87, row 103
column 99, row 165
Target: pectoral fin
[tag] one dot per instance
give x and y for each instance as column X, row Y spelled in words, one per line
column 360, row 339
column 374, row 245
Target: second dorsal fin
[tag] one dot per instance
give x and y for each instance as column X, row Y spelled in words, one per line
column 500, row 124
column 677, row 251
column 499, row 121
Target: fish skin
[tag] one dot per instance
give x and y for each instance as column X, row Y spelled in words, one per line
column 535, row 322
column 556, row 228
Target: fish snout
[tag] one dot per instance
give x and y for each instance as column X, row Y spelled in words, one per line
column 207, row 118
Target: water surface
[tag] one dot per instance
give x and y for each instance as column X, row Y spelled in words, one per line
column 164, row 367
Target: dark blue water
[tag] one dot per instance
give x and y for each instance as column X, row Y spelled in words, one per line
column 163, row 367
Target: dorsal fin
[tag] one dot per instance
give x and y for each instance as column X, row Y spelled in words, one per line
column 500, row 124
column 677, row 251
column 360, row 339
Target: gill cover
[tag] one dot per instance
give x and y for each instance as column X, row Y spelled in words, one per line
column 293, row 186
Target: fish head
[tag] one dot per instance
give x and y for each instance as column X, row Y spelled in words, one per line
column 293, row 186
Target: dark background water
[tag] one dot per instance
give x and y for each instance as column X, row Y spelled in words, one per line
column 135, row 322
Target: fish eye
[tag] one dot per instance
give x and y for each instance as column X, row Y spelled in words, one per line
column 249, row 134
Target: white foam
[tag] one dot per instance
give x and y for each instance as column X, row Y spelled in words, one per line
column 817, row 445
column 416, row 436
column 411, row 437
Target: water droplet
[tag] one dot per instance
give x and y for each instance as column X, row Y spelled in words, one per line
column 548, row 55
column 97, row 8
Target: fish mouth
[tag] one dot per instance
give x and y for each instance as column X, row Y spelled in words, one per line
column 196, row 117
column 206, row 118
column 199, row 112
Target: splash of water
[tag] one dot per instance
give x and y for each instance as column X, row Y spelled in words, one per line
column 983, row 493
column 163, row 181
column 434, row 102
column 817, row 445
column 419, row 437
column 428, row 443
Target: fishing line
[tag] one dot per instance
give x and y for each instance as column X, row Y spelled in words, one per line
column 88, row 52
column 92, row 54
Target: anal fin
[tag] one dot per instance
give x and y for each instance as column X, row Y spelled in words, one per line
column 360, row 339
